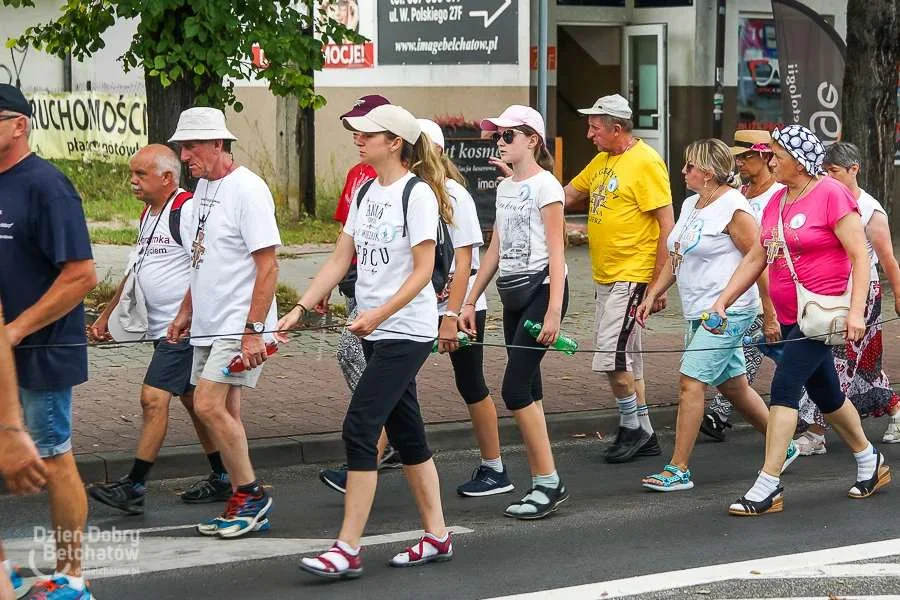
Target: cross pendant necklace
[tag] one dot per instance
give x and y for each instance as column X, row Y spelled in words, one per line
column 774, row 246
column 677, row 257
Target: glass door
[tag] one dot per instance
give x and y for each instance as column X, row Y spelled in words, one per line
column 645, row 82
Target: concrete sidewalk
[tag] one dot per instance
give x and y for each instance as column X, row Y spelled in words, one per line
column 302, row 396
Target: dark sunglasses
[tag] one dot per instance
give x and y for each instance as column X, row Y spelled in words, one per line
column 507, row 136
column 744, row 156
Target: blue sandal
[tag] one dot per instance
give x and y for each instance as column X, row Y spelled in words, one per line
column 679, row 480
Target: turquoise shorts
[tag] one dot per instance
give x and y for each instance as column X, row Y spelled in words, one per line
column 721, row 356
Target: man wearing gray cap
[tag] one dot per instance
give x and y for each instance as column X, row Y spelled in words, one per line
column 46, row 271
column 229, row 305
column 625, row 190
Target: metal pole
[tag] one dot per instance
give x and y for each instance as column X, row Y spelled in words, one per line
column 542, row 59
column 719, row 91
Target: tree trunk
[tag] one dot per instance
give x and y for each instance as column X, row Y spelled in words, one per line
column 306, row 151
column 870, row 91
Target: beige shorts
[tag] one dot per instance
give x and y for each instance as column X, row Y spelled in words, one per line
column 210, row 360
column 618, row 335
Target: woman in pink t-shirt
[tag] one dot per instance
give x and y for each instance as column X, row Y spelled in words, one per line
column 825, row 238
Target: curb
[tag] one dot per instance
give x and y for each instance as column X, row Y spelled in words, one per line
column 268, row 453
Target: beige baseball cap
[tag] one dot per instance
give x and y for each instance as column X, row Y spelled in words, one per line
column 614, row 106
column 387, row 117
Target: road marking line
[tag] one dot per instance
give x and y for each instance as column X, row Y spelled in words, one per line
column 161, row 553
column 841, row 597
column 656, row 582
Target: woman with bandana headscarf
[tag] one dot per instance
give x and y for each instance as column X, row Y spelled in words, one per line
column 824, row 237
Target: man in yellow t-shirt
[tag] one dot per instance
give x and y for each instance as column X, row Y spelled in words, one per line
column 626, row 192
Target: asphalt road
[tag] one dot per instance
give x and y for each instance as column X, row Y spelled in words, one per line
column 610, row 529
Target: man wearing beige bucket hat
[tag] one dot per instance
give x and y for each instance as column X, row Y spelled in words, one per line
column 233, row 232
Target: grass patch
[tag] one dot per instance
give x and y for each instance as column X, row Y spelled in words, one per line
column 103, row 292
column 113, row 210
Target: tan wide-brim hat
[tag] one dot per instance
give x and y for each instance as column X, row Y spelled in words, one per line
column 746, row 139
column 201, row 123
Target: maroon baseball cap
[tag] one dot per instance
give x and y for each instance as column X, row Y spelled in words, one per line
column 362, row 106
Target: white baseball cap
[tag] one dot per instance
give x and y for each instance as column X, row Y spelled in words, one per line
column 201, row 123
column 387, row 117
column 614, row 106
column 433, row 131
column 517, row 115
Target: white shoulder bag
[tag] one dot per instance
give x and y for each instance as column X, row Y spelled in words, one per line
column 819, row 317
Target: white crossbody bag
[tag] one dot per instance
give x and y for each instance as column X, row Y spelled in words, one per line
column 819, row 317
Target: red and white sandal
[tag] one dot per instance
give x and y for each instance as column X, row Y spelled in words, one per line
column 429, row 549
column 336, row 563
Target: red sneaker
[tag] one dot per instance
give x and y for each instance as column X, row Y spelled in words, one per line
column 429, row 549
column 336, row 563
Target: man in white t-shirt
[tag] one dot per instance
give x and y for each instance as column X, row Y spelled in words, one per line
column 230, row 303
column 161, row 261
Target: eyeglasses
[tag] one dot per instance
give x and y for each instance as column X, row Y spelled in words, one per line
column 745, row 156
column 507, row 136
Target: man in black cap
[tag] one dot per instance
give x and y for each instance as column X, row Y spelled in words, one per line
column 46, row 271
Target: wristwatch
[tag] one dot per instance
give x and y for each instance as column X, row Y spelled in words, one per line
column 255, row 327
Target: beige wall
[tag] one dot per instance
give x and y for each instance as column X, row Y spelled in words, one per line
column 257, row 131
column 334, row 149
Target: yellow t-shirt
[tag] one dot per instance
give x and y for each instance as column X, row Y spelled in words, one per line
column 622, row 234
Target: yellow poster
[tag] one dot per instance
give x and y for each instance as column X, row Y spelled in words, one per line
column 89, row 126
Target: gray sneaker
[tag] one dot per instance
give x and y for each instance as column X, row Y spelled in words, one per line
column 215, row 488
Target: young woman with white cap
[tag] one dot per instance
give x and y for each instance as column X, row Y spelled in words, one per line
column 527, row 247
column 397, row 322
column 490, row 477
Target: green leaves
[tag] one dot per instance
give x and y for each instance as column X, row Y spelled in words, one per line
column 205, row 42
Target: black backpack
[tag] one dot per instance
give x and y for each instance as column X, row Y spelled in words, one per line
column 443, row 249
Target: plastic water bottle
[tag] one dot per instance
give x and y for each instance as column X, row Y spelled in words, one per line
column 564, row 343
column 237, row 363
column 461, row 336
column 773, row 351
column 714, row 322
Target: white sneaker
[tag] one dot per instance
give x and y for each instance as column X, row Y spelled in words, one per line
column 810, row 444
column 892, row 433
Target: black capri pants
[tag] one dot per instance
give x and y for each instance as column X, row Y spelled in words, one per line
column 808, row 363
column 522, row 380
column 386, row 397
column 468, row 365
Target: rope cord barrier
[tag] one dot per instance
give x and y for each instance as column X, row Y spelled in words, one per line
column 430, row 338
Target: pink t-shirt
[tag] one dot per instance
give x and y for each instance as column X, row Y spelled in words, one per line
column 821, row 263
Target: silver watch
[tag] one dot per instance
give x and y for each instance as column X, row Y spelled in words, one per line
column 255, row 326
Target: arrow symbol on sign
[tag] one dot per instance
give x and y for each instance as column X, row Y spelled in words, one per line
column 490, row 18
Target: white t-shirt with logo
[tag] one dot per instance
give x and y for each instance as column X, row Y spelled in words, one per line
column 163, row 267
column 465, row 231
column 709, row 256
column 868, row 206
column 758, row 203
column 240, row 219
column 384, row 259
column 520, row 224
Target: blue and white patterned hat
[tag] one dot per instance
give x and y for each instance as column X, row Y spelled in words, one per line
column 803, row 145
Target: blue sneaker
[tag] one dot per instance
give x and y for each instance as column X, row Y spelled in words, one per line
column 793, row 452
column 336, row 479
column 243, row 514
column 57, row 588
column 486, row 482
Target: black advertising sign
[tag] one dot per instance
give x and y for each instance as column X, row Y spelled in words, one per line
column 448, row 32
column 811, row 61
column 471, row 158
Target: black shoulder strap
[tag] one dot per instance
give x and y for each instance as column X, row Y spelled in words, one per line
column 407, row 192
column 363, row 190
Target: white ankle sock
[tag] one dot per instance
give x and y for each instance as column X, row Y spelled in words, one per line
column 550, row 481
column 628, row 412
column 495, row 463
column 643, row 415
column 7, row 564
column 865, row 463
column 763, row 488
column 338, row 560
column 896, row 418
column 76, row 583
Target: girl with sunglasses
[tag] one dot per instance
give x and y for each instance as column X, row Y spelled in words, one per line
column 397, row 322
column 527, row 247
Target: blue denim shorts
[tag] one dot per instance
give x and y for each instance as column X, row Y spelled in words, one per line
column 48, row 416
column 721, row 356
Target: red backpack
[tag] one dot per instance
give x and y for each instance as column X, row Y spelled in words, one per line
column 174, row 214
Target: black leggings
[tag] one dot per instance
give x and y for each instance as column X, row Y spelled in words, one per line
column 808, row 363
column 468, row 365
column 522, row 380
column 386, row 397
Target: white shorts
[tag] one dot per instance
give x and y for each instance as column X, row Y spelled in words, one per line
column 618, row 335
column 210, row 360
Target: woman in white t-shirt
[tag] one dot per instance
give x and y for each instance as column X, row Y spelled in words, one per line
column 397, row 321
column 490, row 477
column 858, row 364
column 715, row 229
column 527, row 246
